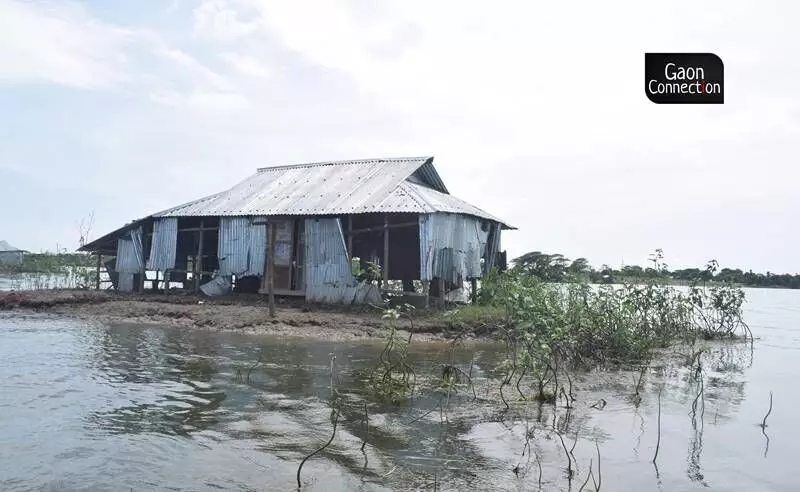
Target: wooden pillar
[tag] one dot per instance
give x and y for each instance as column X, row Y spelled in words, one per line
column 166, row 282
column 198, row 264
column 350, row 237
column 97, row 273
column 386, row 251
column 441, row 291
column 271, row 267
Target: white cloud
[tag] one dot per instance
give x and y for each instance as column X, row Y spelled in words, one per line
column 63, row 44
column 218, row 20
column 197, row 71
column 202, row 100
column 59, row 43
column 248, row 65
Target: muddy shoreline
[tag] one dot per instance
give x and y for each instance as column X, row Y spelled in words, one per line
column 242, row 313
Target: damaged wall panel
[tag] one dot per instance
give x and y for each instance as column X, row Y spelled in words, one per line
column 130, row 254
column 451, row 246
column 328, row 272
column 164, row 244
column 242, row 245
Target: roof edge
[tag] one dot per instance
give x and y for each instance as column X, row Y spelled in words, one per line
column 426, row 159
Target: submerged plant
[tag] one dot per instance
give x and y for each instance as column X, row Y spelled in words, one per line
column 393, row 379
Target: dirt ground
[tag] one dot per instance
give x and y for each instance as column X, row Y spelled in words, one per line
column 243, row 313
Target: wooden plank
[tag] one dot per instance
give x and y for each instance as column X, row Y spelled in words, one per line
column 97, row 274
column 198, row 229
column 380, row 228
column 298, row 269
column 386, row 250
column 289, row 292
column 198, row 264
column 271, row 268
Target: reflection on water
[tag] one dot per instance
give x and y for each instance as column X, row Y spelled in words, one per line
column 152, row 408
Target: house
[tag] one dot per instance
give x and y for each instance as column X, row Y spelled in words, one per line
column 396, row 213
column 9, row 255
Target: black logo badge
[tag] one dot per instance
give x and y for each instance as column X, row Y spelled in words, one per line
column 684, row 78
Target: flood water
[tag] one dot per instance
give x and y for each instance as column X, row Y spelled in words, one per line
column 128, row 407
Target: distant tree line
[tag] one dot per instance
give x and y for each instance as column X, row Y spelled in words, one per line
column 558, row 268
column 52, row 263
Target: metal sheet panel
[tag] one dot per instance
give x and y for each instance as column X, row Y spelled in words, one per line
column 361, row 293
column 233, row 245
column 125, row 282
column 328, row 275
column 217, row 286
column 492, row 247
column 428, row 174
column 164, row 244
column 130, row 257
column 451, row 246
column 414, row 197
column 257, row 246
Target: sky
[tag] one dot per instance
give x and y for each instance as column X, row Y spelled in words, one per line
column 534, row 111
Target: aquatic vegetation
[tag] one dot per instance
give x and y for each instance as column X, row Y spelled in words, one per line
column 335, row 404
column 553, row 331
column 393, row 378
column 200, row 368
column 551, row 327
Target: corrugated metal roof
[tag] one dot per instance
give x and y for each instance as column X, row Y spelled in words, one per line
column 415, row 198
column 332, row 188
column 307, row 189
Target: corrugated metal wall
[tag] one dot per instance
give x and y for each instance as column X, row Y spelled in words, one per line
column 242, row 245
column 257, row 246
column 130, row 257
column 451, row 246
column 234, row 245
column 125, row 283
column 164, row 244
column 493, row 247
column 328, row 275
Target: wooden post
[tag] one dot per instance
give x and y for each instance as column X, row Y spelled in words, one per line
column 97, row 273
column 386, row 251
column 271, row 268
column 350, row 237
column 441, row 292
column 198, row 264
column 166, row 282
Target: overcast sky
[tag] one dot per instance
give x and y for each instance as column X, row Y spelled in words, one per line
column 534, row 111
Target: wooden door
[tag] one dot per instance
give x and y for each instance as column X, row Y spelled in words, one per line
column 283, row 249
column 298, row 270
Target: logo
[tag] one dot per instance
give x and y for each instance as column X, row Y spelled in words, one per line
column 684, row 78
